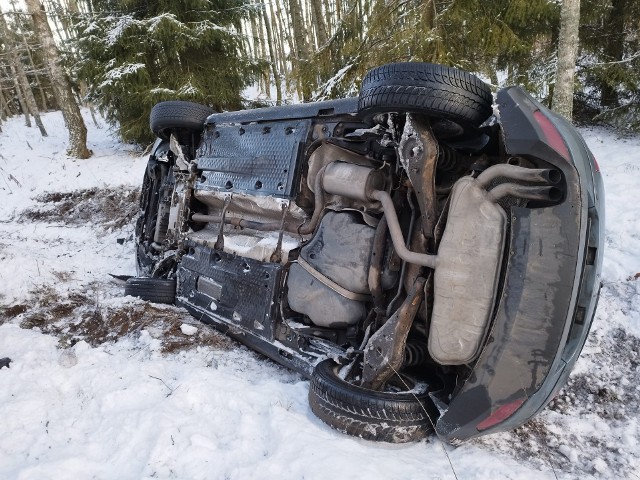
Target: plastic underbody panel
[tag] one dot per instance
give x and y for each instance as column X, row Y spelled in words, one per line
column 258, row 164
column 235, row 288
column 239, row 296
column 257, row 158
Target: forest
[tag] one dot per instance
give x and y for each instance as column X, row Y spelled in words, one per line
column 120, row 57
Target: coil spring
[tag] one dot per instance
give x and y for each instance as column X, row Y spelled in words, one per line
column 415, row 354
column 448, row 158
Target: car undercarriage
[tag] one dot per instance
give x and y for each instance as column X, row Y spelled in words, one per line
column 428, row 259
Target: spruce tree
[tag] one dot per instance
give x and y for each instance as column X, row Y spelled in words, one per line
column 609, row 64
column 149, row 52
column 513, row 37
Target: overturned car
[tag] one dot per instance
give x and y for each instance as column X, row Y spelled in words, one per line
column 429, row 260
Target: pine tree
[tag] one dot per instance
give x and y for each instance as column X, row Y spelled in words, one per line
column 154, row 51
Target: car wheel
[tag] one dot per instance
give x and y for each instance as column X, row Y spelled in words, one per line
column 157, row 290
column 458, row 101
column 178, row 115
column 383, row 416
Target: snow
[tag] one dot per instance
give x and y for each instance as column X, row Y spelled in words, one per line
column 76, row 407
column 188, row 329
column 118, row 72
column 620, row 164
column 118, row 29
column 153, row 23
column 327, row 88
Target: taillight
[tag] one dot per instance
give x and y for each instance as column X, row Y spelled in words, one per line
column 501, row 414
column 552, row 135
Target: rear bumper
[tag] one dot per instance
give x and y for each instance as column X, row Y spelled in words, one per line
column 548, row 298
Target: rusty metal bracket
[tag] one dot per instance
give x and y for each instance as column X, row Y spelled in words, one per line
column 385, row 350
column 418, row 154
column 219, row 245
column 276, row 256
column 182, row 162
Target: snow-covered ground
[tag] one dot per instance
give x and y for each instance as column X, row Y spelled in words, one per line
column 103, row 386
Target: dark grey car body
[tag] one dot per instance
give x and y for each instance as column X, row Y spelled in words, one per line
column 550, row 292
column 545, row 291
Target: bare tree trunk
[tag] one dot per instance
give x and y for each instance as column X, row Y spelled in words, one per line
column 70, row 111
column 29, row 99
column 5, row 111
column 74, row 10
column 43, row 97
column 281, row 36
column 264, row 48
column 329, row 16
column 258, row 47
column 301, row 48
column 613, row 49
column 245, row 46
column 20, row 97
column 318, row 20
column 562, row 101
column 17, row 70
column 272, row 55
column 55, row 18
column 3, row 106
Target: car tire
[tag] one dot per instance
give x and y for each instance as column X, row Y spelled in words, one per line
column 460, row 100
column 178, row 115
column 372, row 415
column 156, row 290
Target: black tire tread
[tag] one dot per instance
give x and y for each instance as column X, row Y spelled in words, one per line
column 157, row 290
column 178, row 114
column 432, row 89
column 368, row 414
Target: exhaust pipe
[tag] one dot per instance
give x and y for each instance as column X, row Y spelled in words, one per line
column 513, row 172
column 549, row 194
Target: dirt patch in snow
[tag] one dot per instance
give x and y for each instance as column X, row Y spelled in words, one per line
column 79, row 316
column 111, row 208
column 607, row 397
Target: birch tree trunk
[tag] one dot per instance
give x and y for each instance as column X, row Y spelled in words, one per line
column 562, row 101
column 70, row 110
column 17, row 70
